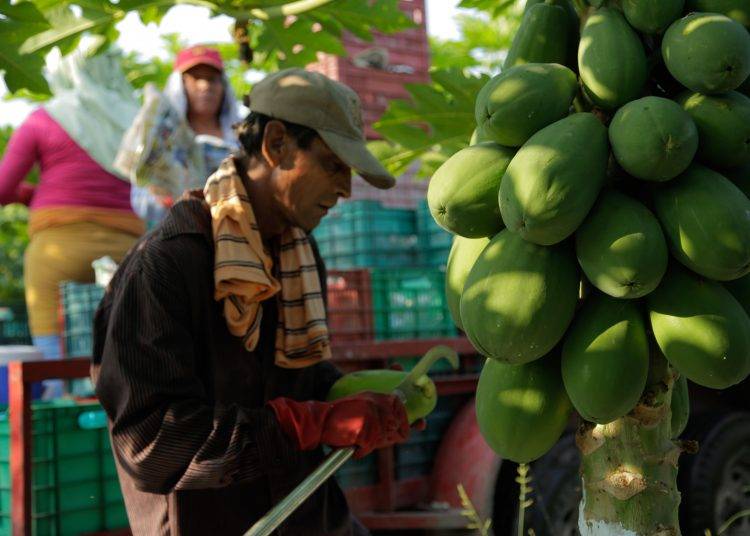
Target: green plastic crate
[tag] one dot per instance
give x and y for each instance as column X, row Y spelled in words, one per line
column 78, row 304
column 14, row 325
column 365, row 234
column 416, row 456
column 74, row 481
column 410, row 303
column 431, row 235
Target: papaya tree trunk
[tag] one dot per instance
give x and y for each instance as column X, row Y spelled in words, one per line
column 629, row 466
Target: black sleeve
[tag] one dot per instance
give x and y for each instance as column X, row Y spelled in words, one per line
column 165, row 432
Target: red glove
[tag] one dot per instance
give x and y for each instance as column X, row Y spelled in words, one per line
column 368, row 421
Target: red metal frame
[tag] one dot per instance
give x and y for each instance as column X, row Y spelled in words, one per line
column 373, row 504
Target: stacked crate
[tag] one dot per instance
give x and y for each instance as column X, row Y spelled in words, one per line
column 14, row 327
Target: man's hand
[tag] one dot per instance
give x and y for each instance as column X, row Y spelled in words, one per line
column 367, row 421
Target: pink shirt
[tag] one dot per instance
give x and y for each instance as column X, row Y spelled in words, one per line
column 68, row 175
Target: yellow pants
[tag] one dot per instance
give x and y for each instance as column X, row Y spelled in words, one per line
column 65, row 253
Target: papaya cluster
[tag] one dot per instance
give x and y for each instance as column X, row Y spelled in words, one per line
column 601, row 214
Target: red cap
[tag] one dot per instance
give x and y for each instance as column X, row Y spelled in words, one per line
column 198, row 55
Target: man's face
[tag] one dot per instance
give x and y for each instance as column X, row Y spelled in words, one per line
column 204, row 89
column 310, row 183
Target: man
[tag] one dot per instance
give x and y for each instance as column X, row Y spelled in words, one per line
column 211, row 344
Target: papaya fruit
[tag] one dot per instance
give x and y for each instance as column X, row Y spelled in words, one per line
column 416, row 390
column 745, row 87
column 740, row 289
column 707, row 52
column 738, row 10
column 462, row 194
column 519, row 298
column 554, row 179
column 680, row 406
column 522, row 410
column 464, row 253
column 605, row 359
column 652, row 16
column 621, row 247
column 723, row 123
column 574, row 24
column 653, row 138
column 706, row 220
column 521, row 100
column 611, row 60
column 700, row 328
column 543, row 37
column 479, row 136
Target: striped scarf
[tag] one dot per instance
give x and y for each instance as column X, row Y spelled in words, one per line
column 243, row 276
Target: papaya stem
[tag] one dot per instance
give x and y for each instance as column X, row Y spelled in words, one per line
column 430, row 358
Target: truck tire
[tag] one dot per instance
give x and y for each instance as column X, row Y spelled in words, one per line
column 715, row 482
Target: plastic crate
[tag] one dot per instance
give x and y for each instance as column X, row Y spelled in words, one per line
column 434, row 241
column 408, row 192
column 410, row 303
column 415, row 457
column 349, row 305
column 74, row 481
column 78, row 303
column 364, row 234
column 14, row 324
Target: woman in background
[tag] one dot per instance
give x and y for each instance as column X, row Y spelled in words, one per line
column 197, row 89
column 80, row 210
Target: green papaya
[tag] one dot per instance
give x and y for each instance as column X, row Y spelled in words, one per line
column 611, row 60
column 574, row 24
column 605, row 359
column 462, row 193
column 652, row 16
column 706, row 220
column 554, row 179
column 521, row 100
column 543, row 37
column 738, row 10
column 621, row 247
column 653, row 138
column 522, row 410
column 519, row 298
column 384, row 381
column 464, row 253
column 707, row 52
column 740, row 289
column 745, row 87
column 723, row 123
column 680, row 406
column 700, row 328
column 479, row 136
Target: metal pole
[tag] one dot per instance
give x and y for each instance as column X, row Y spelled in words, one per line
column 276, row 516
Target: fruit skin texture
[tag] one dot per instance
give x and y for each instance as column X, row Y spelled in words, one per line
column 707, row 52
column 706, row 220
column 521, row 100
column 611, row 60
column 522, row 410
column 652, row 16
column 653, row 138
column 554, row 179
column 462, row 194
column 700, row 328
column 519, row 298
column 680, row 406
column 723, row 123
column 621, row 247
column 738, row 10
column 605, row 359
column 543, row 37
column 464, row 253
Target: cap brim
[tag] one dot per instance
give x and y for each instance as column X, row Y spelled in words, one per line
column 356, row 155
column 199, row 61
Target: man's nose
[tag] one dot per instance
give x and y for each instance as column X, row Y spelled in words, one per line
column 345, row 187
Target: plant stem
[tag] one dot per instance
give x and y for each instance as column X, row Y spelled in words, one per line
column 629, row 466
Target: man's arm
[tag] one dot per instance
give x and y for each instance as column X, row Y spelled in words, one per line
column 165, row 432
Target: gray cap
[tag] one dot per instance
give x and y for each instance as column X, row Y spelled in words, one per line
column 330, row 108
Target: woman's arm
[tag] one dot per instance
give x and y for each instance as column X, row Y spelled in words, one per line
column 20, row 155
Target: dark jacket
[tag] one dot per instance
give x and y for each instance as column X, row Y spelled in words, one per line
column 197, row 451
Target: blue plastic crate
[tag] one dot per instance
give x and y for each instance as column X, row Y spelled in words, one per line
column 78, row 303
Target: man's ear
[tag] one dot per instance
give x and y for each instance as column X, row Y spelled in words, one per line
column 275, row 142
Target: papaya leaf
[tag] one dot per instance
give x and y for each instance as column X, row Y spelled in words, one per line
column 435, row 123
column 17, row 23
